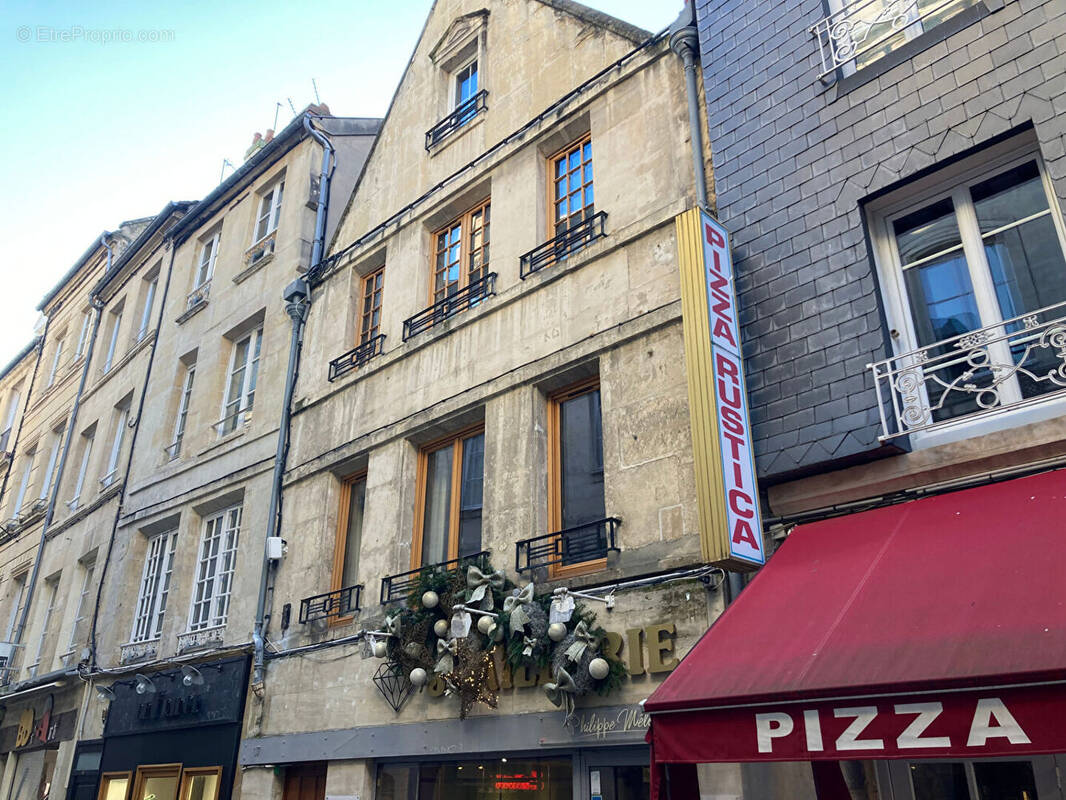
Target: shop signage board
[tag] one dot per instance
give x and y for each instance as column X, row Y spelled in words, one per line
column 727, row 491
column 1001, row 721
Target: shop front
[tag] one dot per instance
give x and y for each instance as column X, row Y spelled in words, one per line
column 912, row 652
column 599, row 755
column 171, row 734
column 37, row 735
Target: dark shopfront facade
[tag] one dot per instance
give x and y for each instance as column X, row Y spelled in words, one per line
column 599, row 755
column 177, row 738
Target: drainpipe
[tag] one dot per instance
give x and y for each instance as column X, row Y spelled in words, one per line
column 297, row 296
column 325, row 176
column 685, row 41
column 49, row 513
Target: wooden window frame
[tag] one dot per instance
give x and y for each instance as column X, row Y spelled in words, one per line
column 368, row 290
column 193, row 772
column 465, row 253
column 457, row 477
column 555, row 500
column 340, row 543
column 155, row 771
column 107, row 776
column 564, row 152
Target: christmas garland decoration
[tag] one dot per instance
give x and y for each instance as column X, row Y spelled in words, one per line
column 436, row 634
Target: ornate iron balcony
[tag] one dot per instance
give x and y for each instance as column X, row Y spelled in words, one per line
column 569, row 241
column 198, row 295
column 463, row 113
column 865, row 31
column 575, row 545
column 467, row 297
column 1016, row 363
column 395, row 588
column 331, row 605
column 356, row 357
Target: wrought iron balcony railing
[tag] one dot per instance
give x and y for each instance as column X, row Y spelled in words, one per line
column 1015, row 363
column 467, row 297
column 865, row 30
column 569, row 241
column 395, row 588
column 576, row 545
column 463, row 113
column 198, row 295
column 356, row 357
column 331, row 605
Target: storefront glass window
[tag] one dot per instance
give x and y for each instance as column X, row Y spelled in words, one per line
column 981, row 780
column 157, row 783
column 489, row 779
column 115, row 787
column 943, row 781
column 1005, row 780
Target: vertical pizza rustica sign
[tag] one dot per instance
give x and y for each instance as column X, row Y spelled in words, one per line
column 731, row 527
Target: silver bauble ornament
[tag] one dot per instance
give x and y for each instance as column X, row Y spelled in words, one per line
column 419, row 677
column 379, row 649
column 557, row 631
column 599, row 668
column 440, row 627
column 430, row 599
column 485, row 624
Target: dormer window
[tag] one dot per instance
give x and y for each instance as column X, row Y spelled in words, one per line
column 459, row 56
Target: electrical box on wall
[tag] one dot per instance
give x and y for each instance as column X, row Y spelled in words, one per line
column 275, row 548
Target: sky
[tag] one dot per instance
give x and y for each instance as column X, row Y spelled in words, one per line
column 113, row 109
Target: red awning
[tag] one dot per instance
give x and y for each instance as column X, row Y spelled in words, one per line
column 936, row 628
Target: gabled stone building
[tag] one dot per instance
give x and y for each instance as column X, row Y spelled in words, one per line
column 492, row 375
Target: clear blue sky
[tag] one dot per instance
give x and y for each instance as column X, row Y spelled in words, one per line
column 100, row 131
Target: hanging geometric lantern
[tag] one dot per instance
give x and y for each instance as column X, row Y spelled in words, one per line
column 393, row 683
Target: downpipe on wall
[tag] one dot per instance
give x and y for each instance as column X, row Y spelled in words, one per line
column 685, row 41
column 297, row 298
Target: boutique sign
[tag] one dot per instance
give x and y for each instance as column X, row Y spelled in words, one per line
column 727, row 492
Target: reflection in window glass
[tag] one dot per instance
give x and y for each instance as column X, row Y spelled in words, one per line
column 491, row 779
column 114, row 787
column 939, row 781
column 1005, row 780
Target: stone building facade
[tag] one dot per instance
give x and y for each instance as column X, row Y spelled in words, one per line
column 187, row 546
column 508, row 261
column 49, row 580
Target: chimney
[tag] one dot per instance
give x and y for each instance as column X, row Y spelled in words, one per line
column 257, row 144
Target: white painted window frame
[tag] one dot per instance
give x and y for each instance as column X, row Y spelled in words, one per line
column 146, row 309
column 87, row 568
column 17, row 603
column 154, row 587
column 52, row 587
column 56, row 358
column 269, row 210
column 53, row 457
column 24, row 483
column 183, row 408
column 457, row 83
column 205, row 265
column 83, row 335
column 83, row 467
column 959, row 177
column 243, row 403
column 215, row 568
column 116, row 446
column 112, row 343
